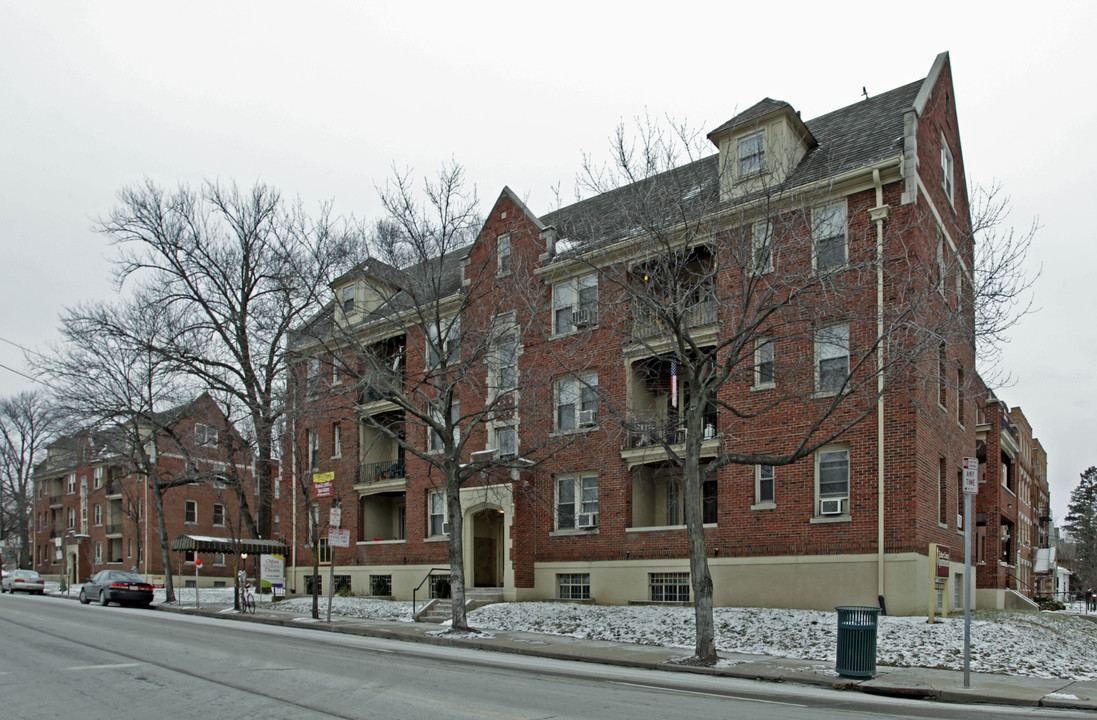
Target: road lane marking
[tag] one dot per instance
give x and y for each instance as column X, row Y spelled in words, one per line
column 102, row 667
column 724, row 696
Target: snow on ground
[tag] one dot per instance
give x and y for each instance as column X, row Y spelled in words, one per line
column 1044, row 644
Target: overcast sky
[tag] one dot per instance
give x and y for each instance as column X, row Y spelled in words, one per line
column 323, row 99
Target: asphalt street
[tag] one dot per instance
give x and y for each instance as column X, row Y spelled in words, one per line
column 60, row 659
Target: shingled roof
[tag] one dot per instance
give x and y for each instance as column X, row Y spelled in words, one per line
column 854, row 136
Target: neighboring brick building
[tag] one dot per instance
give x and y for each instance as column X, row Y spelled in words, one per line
column 1013, row 530
column 599, row 512
column 92, row 511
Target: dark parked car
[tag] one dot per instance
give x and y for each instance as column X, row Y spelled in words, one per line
column 24, row 581
column 124, row 588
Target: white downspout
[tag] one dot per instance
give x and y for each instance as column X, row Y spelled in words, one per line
column 879, row 214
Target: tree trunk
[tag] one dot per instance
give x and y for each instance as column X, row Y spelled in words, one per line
column 165, row 548
column 315, row 573
column 261, row 526
column 456, row 553
column 700, row 578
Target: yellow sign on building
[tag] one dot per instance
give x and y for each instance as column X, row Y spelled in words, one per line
column 323, row 477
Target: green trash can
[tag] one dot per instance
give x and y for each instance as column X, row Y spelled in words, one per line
column 856, row 641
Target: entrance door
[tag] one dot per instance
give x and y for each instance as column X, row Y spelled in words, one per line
column 487, row 548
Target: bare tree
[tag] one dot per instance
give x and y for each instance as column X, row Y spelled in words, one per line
column 427, row 359
column 108, row 376
column 239, row 269
column 27, row 423
column 758, row 284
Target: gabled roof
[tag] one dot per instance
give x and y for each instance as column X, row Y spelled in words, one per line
column 760, row 109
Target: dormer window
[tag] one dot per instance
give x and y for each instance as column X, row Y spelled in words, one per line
column 348, row 299
column 752, row 155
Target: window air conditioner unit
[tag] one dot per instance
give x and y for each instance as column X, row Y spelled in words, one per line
column 586, row 521
column 587, row 418
column 582, row 318
column 445, row 528
column 831, row 507
column 960, row 522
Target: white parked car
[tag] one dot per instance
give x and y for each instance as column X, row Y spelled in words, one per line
column 24, row 581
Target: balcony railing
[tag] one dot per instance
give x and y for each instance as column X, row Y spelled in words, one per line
column 1007, row 425
column 646, row 323
column 114, row 528
column 113, row 487
column 650, row 433
column 55, row 499
column 383, row 470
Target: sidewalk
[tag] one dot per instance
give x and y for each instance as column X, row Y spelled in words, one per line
column 941, row 685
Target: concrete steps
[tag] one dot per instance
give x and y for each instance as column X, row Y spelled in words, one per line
column 439, row 610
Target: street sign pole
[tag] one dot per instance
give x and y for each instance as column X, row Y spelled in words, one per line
column 197, row 565
column 971, row 487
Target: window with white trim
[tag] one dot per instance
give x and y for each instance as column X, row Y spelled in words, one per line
column 190, row 512
column 348, row 299
column 98, row 552
column 576, row 502
column 761, row 248
column 576, row 402
column 763, row 363
column 205, row 435
column 832, row 357
column 752, row 154
column 942, row 382
column 218, row 514
column 336, row 440
column 436, row 513
column 947, row 171
column 98, row 515
column 764, row 484
column 72, row 518
column 506, row 440
column 502, row 246
column 506, row 365
column 829, row 236
column 669, row 587
column 313, row 375
column 436, row 443
column 575, row 304
column 314, row 450
column 832, row 480
column 98, row 475
column 72, row 483
column 219, row 559
column 443, row 341
column 573, row 586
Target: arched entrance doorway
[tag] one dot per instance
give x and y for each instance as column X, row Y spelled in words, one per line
column 487, row 548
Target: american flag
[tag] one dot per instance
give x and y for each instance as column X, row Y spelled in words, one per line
column 673, row 384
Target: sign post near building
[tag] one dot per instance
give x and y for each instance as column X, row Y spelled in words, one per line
column 971, row 487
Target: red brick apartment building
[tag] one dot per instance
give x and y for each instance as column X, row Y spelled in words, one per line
column 587, row 503
column 92, row 511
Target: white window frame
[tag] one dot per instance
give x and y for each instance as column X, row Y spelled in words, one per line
column 579, row 392
column 98, row 552
column 573, row 299
column 765, row 475
column 503, row 254
column 831, row 344
column 659, row 583
column 72, row 484
column 828, row 458
column 337, row 439
column 98, row 477
column 829, row 225
column 579, row 491
column 437, row 513
column 224, row 515
column 190, row 509
column 313, row 441
column 764, row 354
column 435, row 443
column 506, row 441
column 573, row 586
column 948, row 172
column 205, row 435
column 448, row 346
column 347, row 298
column 752, row 154
column 761, row 248
column 98, row 515
column 505, row 365
column 72, row 518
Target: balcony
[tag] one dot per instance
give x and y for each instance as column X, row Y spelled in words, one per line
column 646, row 324
column 645, row 439
column 383, row 470
column 55, row 500
column 113, row 488
column 114, row 528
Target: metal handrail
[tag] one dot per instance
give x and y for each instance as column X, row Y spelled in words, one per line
column 416, row 588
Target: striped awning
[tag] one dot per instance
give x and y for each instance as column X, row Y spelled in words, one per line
column 228, row 546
